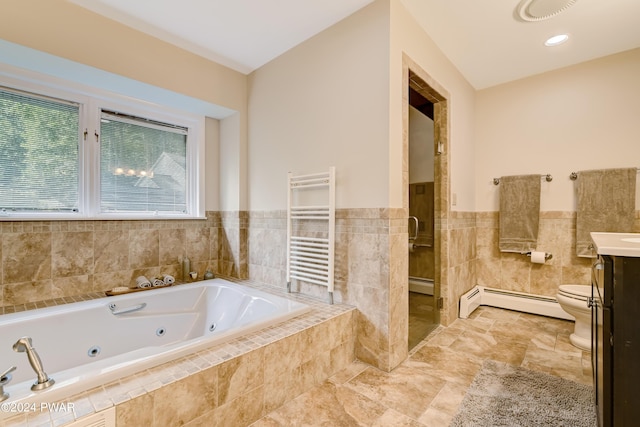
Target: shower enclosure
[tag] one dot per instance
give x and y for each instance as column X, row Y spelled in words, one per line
column 423, row 313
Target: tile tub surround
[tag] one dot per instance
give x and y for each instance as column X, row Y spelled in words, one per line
column 43, row 260
column 231, row 384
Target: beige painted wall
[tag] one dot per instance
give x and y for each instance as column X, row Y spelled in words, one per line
column 577, row 118
column 68, row 31
column 408, row 37
column 324, row 103
column 336, row 99
column 211, row 162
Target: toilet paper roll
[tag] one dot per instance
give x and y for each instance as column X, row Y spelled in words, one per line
column 168, row 280
column 143, row 282
column 538, row 257
column 412, row 247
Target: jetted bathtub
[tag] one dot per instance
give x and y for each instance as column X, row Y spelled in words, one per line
column 86, row 344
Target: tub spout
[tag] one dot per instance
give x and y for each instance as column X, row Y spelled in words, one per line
column 24, row 345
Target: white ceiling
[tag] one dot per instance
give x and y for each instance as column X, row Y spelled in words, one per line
column 483, row 38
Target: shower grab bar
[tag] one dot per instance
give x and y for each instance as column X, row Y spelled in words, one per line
column 131, row 309
column 422, row 245
column 415, row 219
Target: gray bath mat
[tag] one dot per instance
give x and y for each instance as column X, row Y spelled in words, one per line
column 506, row 395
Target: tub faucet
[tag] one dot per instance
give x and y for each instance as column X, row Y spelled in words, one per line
column 5, row 377
column 23, row 345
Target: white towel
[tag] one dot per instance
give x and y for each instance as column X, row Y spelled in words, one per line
column 143, row 282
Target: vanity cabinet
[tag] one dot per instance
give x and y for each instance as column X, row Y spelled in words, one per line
column 615, row 343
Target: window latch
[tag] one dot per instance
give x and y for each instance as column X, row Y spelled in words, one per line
column 85, row 134
column 97, row 136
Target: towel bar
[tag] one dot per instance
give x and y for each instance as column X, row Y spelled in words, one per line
column 546, row 177
column 573, row 175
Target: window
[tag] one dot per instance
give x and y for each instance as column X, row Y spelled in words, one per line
column 38, row 153
column 75, row 156
column 142, row 165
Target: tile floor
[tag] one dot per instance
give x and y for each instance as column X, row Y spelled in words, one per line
column 426, row 389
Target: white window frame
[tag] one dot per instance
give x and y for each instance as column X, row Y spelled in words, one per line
column 92, row 101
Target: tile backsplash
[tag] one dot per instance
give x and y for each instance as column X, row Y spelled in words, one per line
column 54, row 259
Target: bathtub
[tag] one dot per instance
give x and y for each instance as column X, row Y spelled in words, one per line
column 86, row 344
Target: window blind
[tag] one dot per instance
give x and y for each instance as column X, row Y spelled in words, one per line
column 38, row 153
column 143, row 165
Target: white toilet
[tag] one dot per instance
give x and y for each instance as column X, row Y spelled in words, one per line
column 573, row 299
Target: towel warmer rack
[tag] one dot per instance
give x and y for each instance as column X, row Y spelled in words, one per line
column 311, row 255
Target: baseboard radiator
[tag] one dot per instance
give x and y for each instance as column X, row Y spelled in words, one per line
column 420, row 285
column 511, row 300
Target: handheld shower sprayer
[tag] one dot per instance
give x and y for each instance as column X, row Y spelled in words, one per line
column 25, row 345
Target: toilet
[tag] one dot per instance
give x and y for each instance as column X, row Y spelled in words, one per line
column 574, row 300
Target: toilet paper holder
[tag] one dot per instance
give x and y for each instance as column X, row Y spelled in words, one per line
column 547, row 255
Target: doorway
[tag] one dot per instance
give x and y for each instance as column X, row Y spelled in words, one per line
column 422, row 304
column 426, row 308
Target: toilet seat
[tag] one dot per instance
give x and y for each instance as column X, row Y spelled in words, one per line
column 574, row 299
column 579, row 292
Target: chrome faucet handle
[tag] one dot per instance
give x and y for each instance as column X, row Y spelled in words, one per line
column 6, row 374
column 4, row 380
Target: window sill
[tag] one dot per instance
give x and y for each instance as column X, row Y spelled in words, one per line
column 102, row 217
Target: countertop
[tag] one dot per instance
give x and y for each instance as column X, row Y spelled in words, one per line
column 618, row 244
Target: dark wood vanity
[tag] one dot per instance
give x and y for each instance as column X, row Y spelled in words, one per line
column 615, row 332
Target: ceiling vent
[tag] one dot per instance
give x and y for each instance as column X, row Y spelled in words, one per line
column 540, row 10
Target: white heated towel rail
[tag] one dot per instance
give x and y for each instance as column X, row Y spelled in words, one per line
column 311, row 249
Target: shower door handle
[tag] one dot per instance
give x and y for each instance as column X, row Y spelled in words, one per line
column 415, row 219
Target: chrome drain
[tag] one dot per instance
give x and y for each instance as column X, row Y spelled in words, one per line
column 212, row 327
column 161, row 331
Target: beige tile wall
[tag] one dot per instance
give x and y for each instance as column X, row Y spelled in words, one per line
column 460, row 268
column 515, row 272
column 55, row 259
column 366, row 242
column 48, row 260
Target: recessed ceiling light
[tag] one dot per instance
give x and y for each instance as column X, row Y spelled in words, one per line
column 556, row 40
